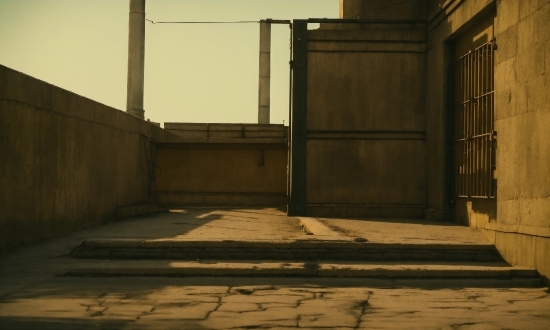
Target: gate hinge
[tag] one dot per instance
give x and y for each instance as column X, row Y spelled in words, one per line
column 290, row 63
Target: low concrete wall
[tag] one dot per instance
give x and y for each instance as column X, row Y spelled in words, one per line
column 67, row 162
column 222, row 164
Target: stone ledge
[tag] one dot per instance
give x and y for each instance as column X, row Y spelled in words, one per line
column 302, row 269
column 519, row 229
column 131, row 211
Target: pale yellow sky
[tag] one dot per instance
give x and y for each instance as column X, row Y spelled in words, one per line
column 193, row 73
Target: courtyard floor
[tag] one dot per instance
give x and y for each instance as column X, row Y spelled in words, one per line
column 35, row 295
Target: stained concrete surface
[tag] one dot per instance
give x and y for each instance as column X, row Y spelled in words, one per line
column 272, row 224
column 68, row 162
column 32, row 296
column 406, row 231
column 200, row 303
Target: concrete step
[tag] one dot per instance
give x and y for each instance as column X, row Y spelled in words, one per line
column 498, row 274
column 132, row 211
column 292, row 250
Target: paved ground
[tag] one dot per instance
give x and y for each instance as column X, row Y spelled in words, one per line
column 226, row 303
column 33, row 296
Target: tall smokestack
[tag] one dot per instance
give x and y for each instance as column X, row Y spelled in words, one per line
column 265, row 69
column 136, row 59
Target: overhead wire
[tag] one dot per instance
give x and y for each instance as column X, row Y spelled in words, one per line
column 202, row 22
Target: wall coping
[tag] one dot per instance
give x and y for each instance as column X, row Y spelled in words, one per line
column 519, row 229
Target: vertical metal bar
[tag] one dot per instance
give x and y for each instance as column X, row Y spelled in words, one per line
column 299, row 115
column 469, row 118
column 458, row 128
column 474, row 123
column 463, row 128
column 484, row 122
column 492, row 77
column 289, row 139
column 462, row 121
column 489, row 120
column 451, row 145
column 458, row 107
column 477, row 130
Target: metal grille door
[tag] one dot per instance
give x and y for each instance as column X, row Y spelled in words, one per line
column 472, row 107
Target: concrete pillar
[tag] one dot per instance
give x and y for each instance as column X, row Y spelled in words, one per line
column 265, row 70
column 136, row 59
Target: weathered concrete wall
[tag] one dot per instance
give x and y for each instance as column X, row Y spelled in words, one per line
column 366, row 150
column 520, row 227
column 522, row 120
column 222, row 164
column 383, row 9
column 66, row 162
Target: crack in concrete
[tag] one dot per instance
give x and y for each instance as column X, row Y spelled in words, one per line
column 218, row 305
column 460, row 325
column 363, row 305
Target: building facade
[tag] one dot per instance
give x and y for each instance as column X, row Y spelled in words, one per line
column 434, row 109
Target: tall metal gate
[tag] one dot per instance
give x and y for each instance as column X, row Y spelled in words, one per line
column 472, row 131
column 356, row 150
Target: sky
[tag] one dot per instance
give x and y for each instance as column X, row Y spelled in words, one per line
column 193, row 73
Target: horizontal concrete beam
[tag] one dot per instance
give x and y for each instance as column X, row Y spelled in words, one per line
column 222, row 140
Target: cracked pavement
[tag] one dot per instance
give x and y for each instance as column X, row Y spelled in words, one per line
column 34, row 296
column 241, row 303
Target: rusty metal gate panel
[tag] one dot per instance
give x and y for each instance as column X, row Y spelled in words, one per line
column 472, row 133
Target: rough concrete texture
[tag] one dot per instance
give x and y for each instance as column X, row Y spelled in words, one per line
column 522, row 112
column 383, row 9
column 33, row 297
column 200, row 303
column 217, row 242
column 221, row 174
column 519, row 223
column 67, row 162
column 405, row 231
column 272, row 225
column 222, row 164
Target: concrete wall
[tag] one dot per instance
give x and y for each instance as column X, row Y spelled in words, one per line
column 383, row 9
column 222, row 164
column 520, row 227
column 366, row 150
column 445, row 25
column 522, row 120
column 66, row 162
